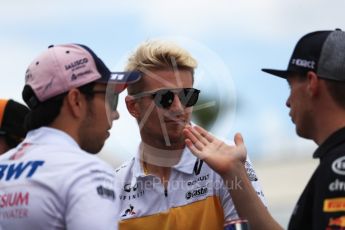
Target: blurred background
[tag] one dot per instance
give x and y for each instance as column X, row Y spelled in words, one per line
column 232, row 41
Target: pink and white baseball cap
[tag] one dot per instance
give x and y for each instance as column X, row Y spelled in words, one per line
column 63, row 67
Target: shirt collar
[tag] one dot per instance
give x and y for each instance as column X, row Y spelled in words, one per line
column 185, row 165
column 187, row 162
column 138, row 170
column 50, row 136
column 335, row 139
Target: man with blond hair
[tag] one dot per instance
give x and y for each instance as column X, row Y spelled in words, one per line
column 164, row 186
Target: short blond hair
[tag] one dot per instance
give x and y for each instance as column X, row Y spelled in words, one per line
column 158, row 55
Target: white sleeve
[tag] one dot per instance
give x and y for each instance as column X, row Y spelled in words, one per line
column 91, row 199
column 230, row 212
column 254, row 180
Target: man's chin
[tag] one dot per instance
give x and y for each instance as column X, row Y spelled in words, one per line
column 176, row 139
column 93, row 149
column 302, row 133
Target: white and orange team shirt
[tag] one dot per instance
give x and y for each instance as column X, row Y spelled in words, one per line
column 196, row 196
column 48, row 182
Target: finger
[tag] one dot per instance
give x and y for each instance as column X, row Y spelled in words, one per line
column 238, row 139
column 204, row 133
column 199, row 136
column 190, row 135
column 240, row 143
column 193, row 149
column 187, row 126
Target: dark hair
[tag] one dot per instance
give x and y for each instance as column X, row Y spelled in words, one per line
column 337, row 91
column 335, row 88
column 11, row 140
column 302, row 76
column 46, row 112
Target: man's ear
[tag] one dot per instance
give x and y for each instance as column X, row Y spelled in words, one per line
column 75, row 102
column 132, row 106
column 313, row 87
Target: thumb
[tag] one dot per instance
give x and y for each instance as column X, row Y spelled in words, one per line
column 240, row 146
column 238, row 139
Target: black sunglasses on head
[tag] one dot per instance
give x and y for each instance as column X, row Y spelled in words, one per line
column 165, row 97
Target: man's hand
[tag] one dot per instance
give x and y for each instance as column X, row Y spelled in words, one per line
column 228, row 161
column 218, row 155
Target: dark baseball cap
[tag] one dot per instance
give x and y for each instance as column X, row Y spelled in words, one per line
column 322, row 52
column 12, row 117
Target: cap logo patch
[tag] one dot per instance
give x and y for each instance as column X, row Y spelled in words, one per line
column 303, row 63
column 117, row 77
column 76, row 76
column 76, row 64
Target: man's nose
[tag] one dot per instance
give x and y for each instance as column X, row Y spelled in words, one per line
column 287, row 103
column 114, row 115
column 176, row 104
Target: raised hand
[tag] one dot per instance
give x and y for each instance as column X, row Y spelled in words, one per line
column 218, row 155
column 228, row 161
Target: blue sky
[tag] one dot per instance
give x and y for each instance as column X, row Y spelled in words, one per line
column 231, row 39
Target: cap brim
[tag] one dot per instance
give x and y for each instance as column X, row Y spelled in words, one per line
column 125, row 77
column 278, row 73
column 122, row 79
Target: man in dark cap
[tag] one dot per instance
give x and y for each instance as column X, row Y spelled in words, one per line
column 316, row 76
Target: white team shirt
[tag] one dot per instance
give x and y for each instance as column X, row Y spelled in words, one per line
column 196, row 197
column 48, row 182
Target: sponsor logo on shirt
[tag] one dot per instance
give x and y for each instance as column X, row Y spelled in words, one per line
column 337, row 185
column 250, row 171
column 197, row 192
column 16, row 170
column 106, row 192
column 197, row 166
column 131, row 192
column 13, row 205
column 130, row 211
column 338, row 166
column 132, row 196
column 334, row 205
column 14, row 199
column 337, row 222
column 128, row 188
column 201, row 178
column 260, row 193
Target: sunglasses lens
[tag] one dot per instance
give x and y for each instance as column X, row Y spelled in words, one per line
column 189, row 96
column 112, row 99
column 163, row 98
